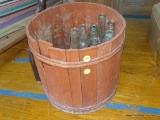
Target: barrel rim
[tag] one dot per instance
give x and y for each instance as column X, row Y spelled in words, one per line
column 107, row 42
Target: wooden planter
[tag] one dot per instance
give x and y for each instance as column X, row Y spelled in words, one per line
column 75, row 80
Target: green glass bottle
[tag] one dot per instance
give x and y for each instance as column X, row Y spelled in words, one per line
column 83, row 40
column 94, row 37
column 110, row 33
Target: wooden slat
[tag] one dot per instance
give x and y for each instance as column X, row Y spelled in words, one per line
column 47, row 28
column 40, row 69
column 67, row 23
column 31, row 30
column 61, row 77
column 75, row 78
column 88, row 17
column 113, row 74
column 38, row 25
column 94, row 9
column 103, row 77
column 78, row 14
column 89, row 93
column 88, row 80
column 57, row 54
column 43, row 45
column 53, row 84
column 103, row 73
column 57, row 29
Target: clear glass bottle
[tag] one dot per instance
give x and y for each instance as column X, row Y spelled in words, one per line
column 83, row 41
column 101, row 26
column 74, row 33
column 94, row 38
column 110, row 33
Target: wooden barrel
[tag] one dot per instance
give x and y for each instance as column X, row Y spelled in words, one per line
column 75, row 80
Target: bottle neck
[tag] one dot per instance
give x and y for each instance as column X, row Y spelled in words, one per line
column 111, row 26
column 94, row 31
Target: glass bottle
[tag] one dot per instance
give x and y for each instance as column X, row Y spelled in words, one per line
column 74, row 33
column 94, row 38
column 101, row 26
column 110, row 33
column 83, row 41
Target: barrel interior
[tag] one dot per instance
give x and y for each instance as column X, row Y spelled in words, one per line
column 53, row 25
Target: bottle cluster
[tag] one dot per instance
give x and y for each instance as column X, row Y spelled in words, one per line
column 97, row 33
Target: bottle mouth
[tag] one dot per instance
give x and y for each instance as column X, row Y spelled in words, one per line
column 102, row 16
column 74, row 31
column 82, row 27
column 93, row 27
column 111, row 22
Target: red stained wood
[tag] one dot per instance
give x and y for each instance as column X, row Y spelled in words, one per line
column 47, row 27
column 104, row 49
column 72, row 56
column 32, row 39
column 88, row 17
column 44, row 47
column 67, row 23
column 75, row 83
column 75, row 79
column 95, row 12
column 33, row 44
column 103, row 72
column 88, row 80
column 57, row 29
column 53, row 84
column 89, row 92
column 78, row 14
column 32, row 31
column 38, row 24
column 56, row 53
column 46, row 15
column 114, row 69
column 90, row 52
column 54, row 91
column 61, row 77
column 116, row 42
column 41, row 74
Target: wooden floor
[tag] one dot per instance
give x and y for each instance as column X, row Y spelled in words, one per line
column 137, row 96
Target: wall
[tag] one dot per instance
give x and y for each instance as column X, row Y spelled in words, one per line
column 136, row 7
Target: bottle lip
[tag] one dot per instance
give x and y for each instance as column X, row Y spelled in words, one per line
column 102, row 14
column 102, row 17
column 111, row 21
column 82, row 26
column 93, row 27
column 111, row 26
column 74, row 31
